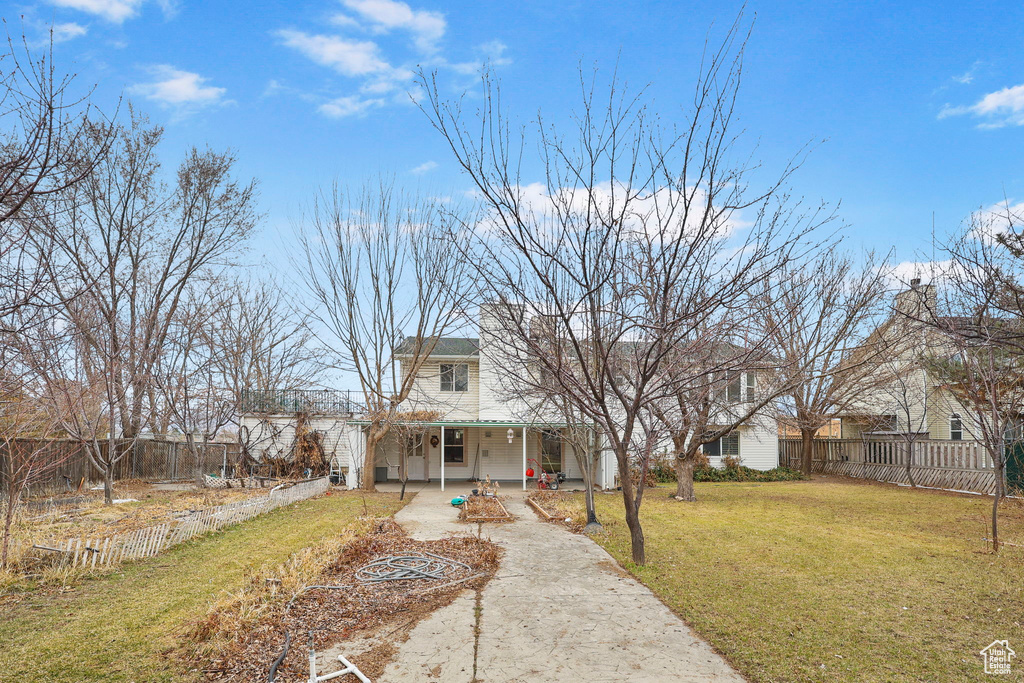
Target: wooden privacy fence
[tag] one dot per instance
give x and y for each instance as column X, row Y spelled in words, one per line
column 153, row 459
column 957, row 465
column 90, row 552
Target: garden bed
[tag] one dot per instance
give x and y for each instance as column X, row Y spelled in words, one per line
column 484, row 509
column 241, row 638
column 565, row 508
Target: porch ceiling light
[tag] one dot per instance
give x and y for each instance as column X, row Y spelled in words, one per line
column 511, row 434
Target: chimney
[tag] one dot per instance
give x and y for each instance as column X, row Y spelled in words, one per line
column 917, row 302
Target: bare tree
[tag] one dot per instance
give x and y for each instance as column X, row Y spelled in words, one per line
column 387, row 281
column 629, row 244
column 721, row 378
column 979, row 358
column 819, row 316
column 42, row 125
column 129, row 245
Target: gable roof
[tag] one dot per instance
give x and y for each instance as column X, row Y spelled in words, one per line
column 452, row 347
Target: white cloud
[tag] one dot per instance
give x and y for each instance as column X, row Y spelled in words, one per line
column 343, row 107
column 991, row 221
column 427, row 28
column 354, row 49
column 998, row 109
column 348, row 57
column 425, row 167
column 181, row 90
column 67, row 31
column 928, row 272
column 116, row 11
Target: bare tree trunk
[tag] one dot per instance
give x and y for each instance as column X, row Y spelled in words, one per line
column 995, row 503
column 684, row 477
column 909, row 463
column 108, row 471
column 588, row 483
column 636, row 532
column 806, row 450
column 373, row 438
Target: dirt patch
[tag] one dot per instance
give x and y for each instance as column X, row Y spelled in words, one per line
column 363, row 621
column 612, row 568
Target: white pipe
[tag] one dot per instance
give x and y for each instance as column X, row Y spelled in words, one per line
column 442, row 457
column 524, row 457
column 350, row 668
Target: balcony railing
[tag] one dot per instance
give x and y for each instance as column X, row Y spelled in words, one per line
column 312, row 401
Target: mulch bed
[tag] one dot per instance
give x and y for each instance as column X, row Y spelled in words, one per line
column 484, row 509
column 384, row 611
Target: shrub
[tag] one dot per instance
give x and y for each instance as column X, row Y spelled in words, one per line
column 740, row 473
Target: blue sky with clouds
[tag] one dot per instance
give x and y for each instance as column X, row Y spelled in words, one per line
column 918, row 107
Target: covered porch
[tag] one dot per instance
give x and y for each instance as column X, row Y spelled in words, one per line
column 463, row 451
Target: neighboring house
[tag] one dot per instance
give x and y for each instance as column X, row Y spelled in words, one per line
column 465, row 427
column 908, row 399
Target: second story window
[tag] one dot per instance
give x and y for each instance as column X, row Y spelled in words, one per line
column 956, row 428
column 739, row 387
column 454, row 377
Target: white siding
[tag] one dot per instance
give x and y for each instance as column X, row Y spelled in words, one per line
column 275, row 436
column 453, row 405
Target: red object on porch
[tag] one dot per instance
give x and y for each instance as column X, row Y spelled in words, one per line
column 529, row 472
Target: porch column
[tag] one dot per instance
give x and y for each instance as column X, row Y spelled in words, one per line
column 524, row 457
column 442, row 457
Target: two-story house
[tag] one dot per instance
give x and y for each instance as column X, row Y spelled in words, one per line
column 907, row 398
column 477, row 430
column 463, row 426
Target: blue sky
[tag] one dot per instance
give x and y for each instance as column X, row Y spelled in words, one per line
column 920, row 106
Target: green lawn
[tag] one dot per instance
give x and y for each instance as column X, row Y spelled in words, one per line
column 834, row 581
column 116, row 627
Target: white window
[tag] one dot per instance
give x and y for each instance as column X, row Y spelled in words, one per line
column 454, row 377
column 739, row 387
column 956, row 428
column 727, row 445
column 733, row 387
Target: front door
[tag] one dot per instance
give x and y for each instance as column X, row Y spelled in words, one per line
column 414, row 458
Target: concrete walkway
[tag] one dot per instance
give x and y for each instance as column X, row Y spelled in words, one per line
column 559, row 609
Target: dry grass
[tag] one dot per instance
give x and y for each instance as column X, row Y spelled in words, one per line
column 243, row 633
column 117, row 627
column 833, row 579
column 88, row 517
column 567, row 508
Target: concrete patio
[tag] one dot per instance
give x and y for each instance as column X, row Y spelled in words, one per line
column 559, row 609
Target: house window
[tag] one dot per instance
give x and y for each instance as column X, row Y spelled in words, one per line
column 727, row 445
column 454, row 377
column 734, row 386
column 956, row 428
column 739, row 387
column 454, row 447
column 551, row 451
